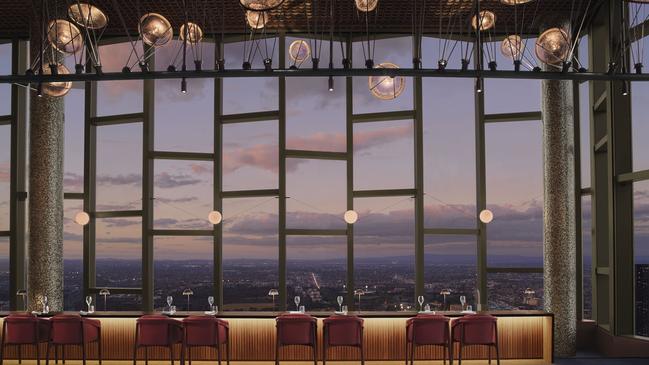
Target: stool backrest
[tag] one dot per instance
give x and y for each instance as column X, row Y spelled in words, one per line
column 203, row 330
column 20, row 328
column 477, row 329
column 428, row 330
column 157, row 330
column 344, row 330
column 67, row 329
column 296, row 329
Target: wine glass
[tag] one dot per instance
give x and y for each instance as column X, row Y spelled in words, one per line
column 340, row 302
column 297, row 302
column 46, row 308
column 462, row 301
column 88, row 301
column 210, row 300
column 420, row 300
column 170, row 300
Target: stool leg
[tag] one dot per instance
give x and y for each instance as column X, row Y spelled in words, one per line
column 2, row 351
column 63, row 353
column 38, row 354
column 83, row 352
column 407, row 352
column 189, row 355
column 315, row 354
column 276, row 352
column 459, row 359
column 218, row 352
column 171, row 354
column 489, row 352
column 412, row 353
column 135, row 354
column 56, row 354
column 227, row 347
column 47, row 353
column 99, row 347
column 20, row 354
column 362, row 354
column 497, row 355
column 146, row 355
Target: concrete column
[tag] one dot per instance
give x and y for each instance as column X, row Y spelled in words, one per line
column 559, row 236
column 45, row 250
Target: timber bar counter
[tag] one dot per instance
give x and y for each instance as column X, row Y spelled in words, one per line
column 524, row 336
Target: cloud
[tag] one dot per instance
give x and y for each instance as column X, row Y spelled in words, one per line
column 5, row 169
column 119, row 223
column 167, row 181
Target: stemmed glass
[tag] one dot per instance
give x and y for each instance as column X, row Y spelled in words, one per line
column 170, row 300
column 340, row 302
column 46, row 308
column 210, row 300
column 420, row 300
column 88, row 301
column 462, row 301
column 297, row 302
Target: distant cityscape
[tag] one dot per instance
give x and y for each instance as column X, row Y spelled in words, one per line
column 381, row 285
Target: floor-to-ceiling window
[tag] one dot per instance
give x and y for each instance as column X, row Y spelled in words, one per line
column 5, row 174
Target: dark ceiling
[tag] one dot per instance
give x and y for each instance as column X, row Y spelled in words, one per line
column 391, row 16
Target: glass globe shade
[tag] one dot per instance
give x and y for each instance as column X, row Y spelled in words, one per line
column 260, row 5
column 387, row 87
column 512, row 47
column 299, row 51
column 155, row 29
column 257, row 19
column 553, row 46
column 56, row 88
column 87, row 16
column 486, row 216
column 82, row 218
column 515, row 2
column 215, row 217
column 366, row 5
column 64, row 36
column 350, row 217
column 487, row 20
column 194, row 33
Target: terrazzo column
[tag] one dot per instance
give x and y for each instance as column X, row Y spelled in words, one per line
column 559, row 236
column 45, row 250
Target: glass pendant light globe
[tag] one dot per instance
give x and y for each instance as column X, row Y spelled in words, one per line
column 299, row 51
column 350, row 217
column 366, row 5
column 56, row 88
column 487, row 20
column 82, row 218
column 215, row 217
column 486, row 216
column 512, row 47
column 87, row 16
column 194, row 33
column 155, row 29
column 257, row 19
column 64, row 36
column 553, row 46
column 260, row 5
column 387, row 87
column 515, row 2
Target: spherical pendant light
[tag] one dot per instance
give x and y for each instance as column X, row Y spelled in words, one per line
column 64, row 36
column 515, row 2
column 553, row 46
column 487, row 20
column 512, row 47
column 87, row 16
column 215, row 217
column 155, row 29
column 194, row 33
column 299, row 51
column 56, row 88
column 260, row 5
column 350, row 217
column 82, row 218
column 387, row 87
column 486, row 216
column 366, row 5
column 257, row 19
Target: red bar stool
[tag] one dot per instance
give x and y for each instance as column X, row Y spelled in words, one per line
column 157, row 330
column 72, row 329
column 20, row 329
column 427, row 330
column 206, row 331
column 342, row 331
column 296, row 329
column 476, row 329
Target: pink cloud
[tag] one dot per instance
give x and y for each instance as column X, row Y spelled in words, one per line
column 5, row 174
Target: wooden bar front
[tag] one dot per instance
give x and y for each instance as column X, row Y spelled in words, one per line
column 523, row 335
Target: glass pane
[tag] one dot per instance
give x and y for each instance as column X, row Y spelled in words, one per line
column 119, row 252
column 74, row 136
column 449, row 153
column 172, row 54
column 184, row 122
column 119, row 97
column 250, row 253
column 450, row 263
column 250, row 94
column 584, row 130
column 514, row 159
column 183, row 263
column 316, row 271
column 183, row 194
column 397, row 51
column 640, row 126
column 5, row 69
column 121, row 302
column 515, row 291
column 72, row 257
column 384, row 253
column 119, row 167
column 384, row 155
column 250, row 156
column 317, row 192
column 4, row 274
column 5, row 175
column 641, row 242
column 587, row 258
